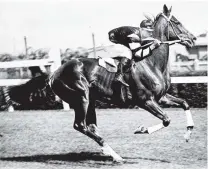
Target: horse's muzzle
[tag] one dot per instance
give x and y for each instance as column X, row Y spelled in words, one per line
column 186, row 41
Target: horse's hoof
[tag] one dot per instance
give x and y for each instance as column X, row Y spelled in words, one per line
column 107, row 150
column 118, row 160
column 141, row 130
column 187, row 136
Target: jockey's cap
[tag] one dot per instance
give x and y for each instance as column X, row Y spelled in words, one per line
column 146, row 23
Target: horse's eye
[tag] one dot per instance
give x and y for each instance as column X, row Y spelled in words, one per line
column 176, row 22
column 173, row 19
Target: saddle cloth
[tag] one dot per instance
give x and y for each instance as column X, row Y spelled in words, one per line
column 109, row 64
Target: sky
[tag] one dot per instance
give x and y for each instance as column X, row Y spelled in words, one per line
column 69, row 24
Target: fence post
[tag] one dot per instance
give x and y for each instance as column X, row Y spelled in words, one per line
column 196, row 64
column 55, row 55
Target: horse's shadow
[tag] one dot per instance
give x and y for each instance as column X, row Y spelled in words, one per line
column 78, row 159
column 94, row 157
column 70, row 157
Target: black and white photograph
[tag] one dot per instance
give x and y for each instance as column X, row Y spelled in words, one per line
column 88, row 84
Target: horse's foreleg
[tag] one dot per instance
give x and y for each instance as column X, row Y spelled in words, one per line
column 152, row 107
column 178, row 102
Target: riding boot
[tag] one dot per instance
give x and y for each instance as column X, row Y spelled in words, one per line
column 119, row 74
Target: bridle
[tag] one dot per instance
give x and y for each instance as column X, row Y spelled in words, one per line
column 168, row 25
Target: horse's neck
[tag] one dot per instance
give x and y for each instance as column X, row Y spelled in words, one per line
column 160, row 29
column 160, row 55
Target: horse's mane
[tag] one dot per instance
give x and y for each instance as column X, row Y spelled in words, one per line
column 156, row 19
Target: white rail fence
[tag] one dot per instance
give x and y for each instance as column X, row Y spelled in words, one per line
column 185, row 79
column 195, row 65
column 190, row 79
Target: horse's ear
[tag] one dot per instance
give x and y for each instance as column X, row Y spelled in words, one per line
column 165, row 10
column 170, row 9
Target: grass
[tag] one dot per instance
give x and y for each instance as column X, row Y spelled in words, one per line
column 46, row 139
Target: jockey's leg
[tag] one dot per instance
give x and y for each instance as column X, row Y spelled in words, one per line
column 119, row 74
column 126, row 53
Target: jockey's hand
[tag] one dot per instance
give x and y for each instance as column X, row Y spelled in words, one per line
column 156, row 43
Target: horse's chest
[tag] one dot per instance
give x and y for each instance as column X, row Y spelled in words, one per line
column 160, row 84
column 153, row 81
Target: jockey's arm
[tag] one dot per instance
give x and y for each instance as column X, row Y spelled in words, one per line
column 144, row 50
column 141, row 53
column 136, row 47
column 135, row 41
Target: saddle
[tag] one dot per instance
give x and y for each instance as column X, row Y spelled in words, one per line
column 122, row 93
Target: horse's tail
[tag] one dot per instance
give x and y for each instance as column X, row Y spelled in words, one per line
column 35, row 93
column 6, row 101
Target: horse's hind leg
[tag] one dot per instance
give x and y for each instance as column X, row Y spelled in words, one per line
column 152, row 107
column 91, row 119
column 178, row 102
column 91, row 114
column 86, row 124
column 79, row 103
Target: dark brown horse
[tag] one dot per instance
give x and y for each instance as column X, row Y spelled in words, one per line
column 80, row 82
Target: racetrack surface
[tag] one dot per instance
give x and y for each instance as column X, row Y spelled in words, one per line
column 46, row 139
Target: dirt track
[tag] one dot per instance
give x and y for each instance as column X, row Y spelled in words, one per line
column 46, row 139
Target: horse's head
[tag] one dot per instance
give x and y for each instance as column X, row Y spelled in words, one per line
column 173, row 29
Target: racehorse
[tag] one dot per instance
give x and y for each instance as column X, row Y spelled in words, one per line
column 81, row 81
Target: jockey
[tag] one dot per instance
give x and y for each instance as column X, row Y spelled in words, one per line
column 133, row 42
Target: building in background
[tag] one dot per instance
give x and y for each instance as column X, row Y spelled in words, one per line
column 199, row 50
